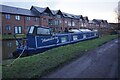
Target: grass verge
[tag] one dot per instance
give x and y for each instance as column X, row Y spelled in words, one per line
column 37, row 65
column 12, row 37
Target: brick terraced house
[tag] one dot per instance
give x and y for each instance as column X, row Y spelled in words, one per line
column 17, row 20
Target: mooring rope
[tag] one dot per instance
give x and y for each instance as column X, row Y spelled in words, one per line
column 18, row 56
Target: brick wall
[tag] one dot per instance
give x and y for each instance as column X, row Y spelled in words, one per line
column 12, row 22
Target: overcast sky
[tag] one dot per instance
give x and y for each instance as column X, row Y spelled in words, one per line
column 94, row 9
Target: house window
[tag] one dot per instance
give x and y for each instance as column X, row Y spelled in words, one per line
column 58, row 16
column 8, row 28
column 50, row 22
column 7, row 16
column 36, row 19
column 66, row 22
column 82, row 24
column 45, row 13
column 69, row 23
column 86, row 21
column 80, row 20
column 18, row 29
column 73, row 23
column 17, row 17
column 60, row 21
column 28, row 18
column 56, row 22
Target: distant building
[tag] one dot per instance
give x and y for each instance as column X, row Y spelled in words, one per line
column 17, row 20
column 101, row 23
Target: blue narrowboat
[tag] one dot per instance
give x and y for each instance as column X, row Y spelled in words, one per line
column 40, row 39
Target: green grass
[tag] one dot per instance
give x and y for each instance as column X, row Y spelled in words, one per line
column 12, row 37
column 37, row 65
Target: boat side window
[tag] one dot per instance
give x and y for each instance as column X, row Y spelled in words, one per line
column 63, row 39
column 43, row 31
column 75, row 37
column 31, row 29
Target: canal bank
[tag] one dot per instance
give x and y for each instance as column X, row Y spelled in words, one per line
column 41, row 64
column 9, row 45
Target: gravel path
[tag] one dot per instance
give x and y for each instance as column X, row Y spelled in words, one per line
column 99, row 63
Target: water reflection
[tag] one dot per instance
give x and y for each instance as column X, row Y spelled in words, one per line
column 8, row 47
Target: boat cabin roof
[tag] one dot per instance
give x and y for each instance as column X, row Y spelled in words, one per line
column 85, row 30
column 39, row 30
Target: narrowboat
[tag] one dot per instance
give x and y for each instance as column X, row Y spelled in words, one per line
column 40, row 39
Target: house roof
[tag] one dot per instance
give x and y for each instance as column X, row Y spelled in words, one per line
column 14, row 10
column 85, row 18
column 91, row 22
column 71, row 15
column 105, row 21
column 42, row 10
column 54, row 12
column 97, row 21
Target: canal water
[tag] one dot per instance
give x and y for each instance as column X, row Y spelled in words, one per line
column 8, row 47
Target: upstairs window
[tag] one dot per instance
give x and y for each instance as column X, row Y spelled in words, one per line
column 45, row 13
column 17, row 17
column 36, row 19
column 80, row 20
column 69, row 23
column 44, row 19
column 66, row 22
column 73, row 23
column 58, row 16
column 28, row 18
column 60, row 21
column 7, row 16
column 50, row 22
column 86, row 21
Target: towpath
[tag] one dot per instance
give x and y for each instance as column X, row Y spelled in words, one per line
column 99, row 63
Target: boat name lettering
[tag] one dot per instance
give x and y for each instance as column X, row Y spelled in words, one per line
column 45, row 40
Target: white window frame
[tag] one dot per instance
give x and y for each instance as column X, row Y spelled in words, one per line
column 18, row 29
column 7, row 16
column 17, row 17
column 28, row 18
column 36, row 19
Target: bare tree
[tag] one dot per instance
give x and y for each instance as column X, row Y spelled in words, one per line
column 118, row 12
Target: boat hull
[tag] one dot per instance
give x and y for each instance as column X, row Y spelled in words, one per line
column 39, row 44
